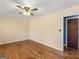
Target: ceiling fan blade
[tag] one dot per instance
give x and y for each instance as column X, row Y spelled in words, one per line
column 19, row 7
column 35, row 9
column 31, row 14
column 20, row 13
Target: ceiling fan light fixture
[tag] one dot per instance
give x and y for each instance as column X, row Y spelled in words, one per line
column 27, row 10
column 28, row 13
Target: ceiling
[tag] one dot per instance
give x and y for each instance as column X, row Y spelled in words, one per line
column 8, row 7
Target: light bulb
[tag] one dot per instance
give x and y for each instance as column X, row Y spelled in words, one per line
column 28, row 13
column 25, row 13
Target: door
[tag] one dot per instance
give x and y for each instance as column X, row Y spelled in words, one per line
column 72, row 33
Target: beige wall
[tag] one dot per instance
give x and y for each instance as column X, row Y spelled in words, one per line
column 45, row 29
column 13, row 29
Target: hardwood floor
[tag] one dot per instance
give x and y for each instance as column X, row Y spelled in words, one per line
column 32, row 50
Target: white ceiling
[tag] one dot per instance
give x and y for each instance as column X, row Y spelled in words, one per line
column 8, row 7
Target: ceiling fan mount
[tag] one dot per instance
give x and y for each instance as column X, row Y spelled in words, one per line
column 27, row 10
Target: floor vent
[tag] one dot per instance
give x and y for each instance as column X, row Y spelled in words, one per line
column 3, row 57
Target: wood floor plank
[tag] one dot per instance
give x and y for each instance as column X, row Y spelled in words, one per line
column 29, row 49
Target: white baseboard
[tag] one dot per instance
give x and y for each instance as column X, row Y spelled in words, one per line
column 48, row 45
column 6, row 42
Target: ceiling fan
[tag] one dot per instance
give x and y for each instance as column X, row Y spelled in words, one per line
column 27, row 10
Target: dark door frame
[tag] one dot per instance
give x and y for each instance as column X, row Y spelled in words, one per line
column 65, row 28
